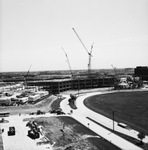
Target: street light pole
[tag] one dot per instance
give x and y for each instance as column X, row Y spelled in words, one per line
column 78, row 87
column 113, row 119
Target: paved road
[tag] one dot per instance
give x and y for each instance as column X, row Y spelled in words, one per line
column 20, row 141
column 82, row 112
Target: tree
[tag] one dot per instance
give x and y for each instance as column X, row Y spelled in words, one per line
column 141, row 136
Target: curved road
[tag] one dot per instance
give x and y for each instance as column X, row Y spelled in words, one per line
column 81, row 114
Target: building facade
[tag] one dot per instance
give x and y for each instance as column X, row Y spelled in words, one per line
column 60, row 85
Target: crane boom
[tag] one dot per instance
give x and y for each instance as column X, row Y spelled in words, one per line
column 81, row 41
column 67, row 61
column 89, row 53
column 28, row 71
column 114, row 70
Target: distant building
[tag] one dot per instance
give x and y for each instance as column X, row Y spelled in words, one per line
column 5, row 101
column 33, row 98
column 142, row 72
column 23, row 100
column 9, row 86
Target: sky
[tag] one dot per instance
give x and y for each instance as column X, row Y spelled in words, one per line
column 32, row 32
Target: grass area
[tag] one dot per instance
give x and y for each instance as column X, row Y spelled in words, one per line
column 100, row 143
column 56, row 104
column 131, row 107
column 77, row 127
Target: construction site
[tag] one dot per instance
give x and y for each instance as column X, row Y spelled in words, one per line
column 35, row 109
column 56, row 82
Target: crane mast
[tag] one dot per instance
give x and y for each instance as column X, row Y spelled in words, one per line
column 68, row 61
column 27, row 75
column 89, row 53
column 89, row 64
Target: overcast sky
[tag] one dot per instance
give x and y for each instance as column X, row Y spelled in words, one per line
column 33, row 32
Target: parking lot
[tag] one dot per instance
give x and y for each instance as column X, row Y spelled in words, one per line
column 19, row 141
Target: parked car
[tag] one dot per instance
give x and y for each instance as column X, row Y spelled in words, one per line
column 124, row 125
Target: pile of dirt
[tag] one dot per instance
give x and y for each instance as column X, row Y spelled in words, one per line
column 63, row 136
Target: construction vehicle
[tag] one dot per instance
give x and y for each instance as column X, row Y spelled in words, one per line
column 34, row 130
column 11, row 131
column 89, row 53
column 33, row 134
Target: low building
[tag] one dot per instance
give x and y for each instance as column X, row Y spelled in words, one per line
column 142, row 72
column 42, row 93
column 23, row 100
column 5, row 101
column 9, row 86
column 33, row 98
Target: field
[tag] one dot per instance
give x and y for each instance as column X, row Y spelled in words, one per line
column 128, row 107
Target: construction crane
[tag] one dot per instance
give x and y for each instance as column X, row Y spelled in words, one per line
column 114, row 70
column 25, row 77
column 89, row 53
column 67, row 61
column 116, row 81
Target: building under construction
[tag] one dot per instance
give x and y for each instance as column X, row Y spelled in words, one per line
column 59, row 85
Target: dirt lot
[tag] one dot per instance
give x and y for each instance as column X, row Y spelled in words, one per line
column 67, row 134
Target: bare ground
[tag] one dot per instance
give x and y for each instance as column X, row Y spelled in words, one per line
column 65, row 133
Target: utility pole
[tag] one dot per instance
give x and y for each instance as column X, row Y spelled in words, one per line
column 113, row 120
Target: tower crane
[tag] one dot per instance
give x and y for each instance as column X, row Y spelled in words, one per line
column 114, row 70
column 116, row 81
column 89, row 63
column 25, row 77
column 89, row 53
column 67, row 61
